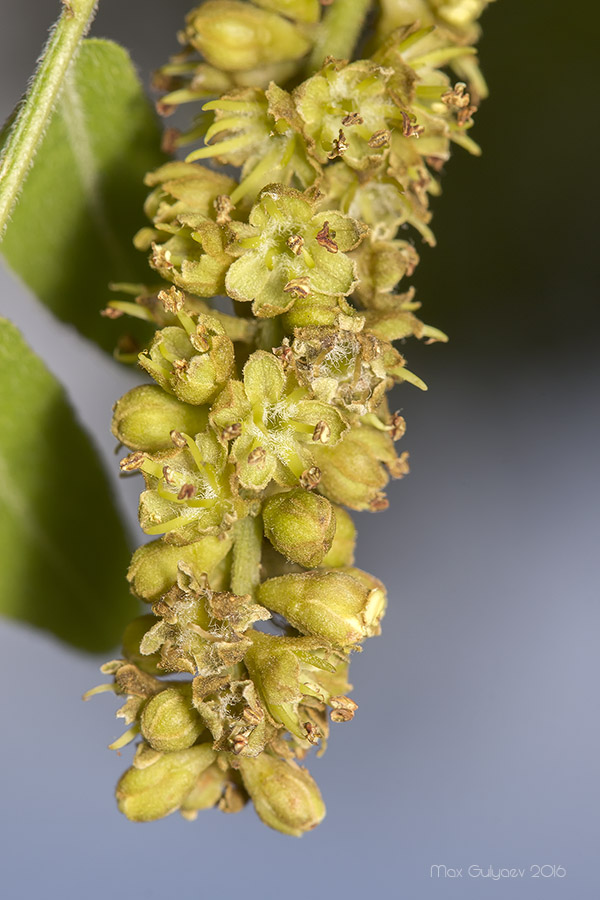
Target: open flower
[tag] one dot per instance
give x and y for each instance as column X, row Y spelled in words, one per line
column 274, row 424
column 348, row 112
column 190, row 490
column 191, row 361
column 260, row 131
column 290, row 673
column 288, row 250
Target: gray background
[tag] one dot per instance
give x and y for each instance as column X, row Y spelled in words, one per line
column 477, row 738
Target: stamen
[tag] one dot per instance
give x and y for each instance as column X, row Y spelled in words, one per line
column 108, row 687
column 125, row 738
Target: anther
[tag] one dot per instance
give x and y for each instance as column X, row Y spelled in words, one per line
column 186, row 492
column 257, row 456
column 230, row 432
column 379, row 139
column 352, row 119
column 325, row 238
column 295, row 242
column 310, row 478
column 300, row 287
column 410, row 130
column 340, row 145
column 322, row 432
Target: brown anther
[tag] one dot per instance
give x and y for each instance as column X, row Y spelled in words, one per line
column 379, row 503
column 458, row 96
column 133, row 462
column 325, row 238
column 257, row 456
column 340, row 145
column 178, row 439
column 168, row 475
column 322, row 432
column 285, row 353
column 111, row 313
column 224, row 207
column 295, row 242
column 252, row 716
column 312, row 733
column 231, row 432
column 410, row 130
column 170, row 140
column 199, row 340
column 343, row 708
column 352, row 119
column 399, row 467
column 379, row 139
column 181, row 366
column 239, row 743
column 310, row 478
column 300, row 287
column 186, row 492
column 397, row 427
column 465, row 115
column 341, row 715
column 172, row 300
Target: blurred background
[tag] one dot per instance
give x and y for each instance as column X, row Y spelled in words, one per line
column 477, row 737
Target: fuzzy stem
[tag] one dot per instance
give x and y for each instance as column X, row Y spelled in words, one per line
column 36, row 111
column 339, row 31
column 247, row 549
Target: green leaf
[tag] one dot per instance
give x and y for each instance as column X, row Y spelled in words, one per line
column 71, row 231
column 63, row 548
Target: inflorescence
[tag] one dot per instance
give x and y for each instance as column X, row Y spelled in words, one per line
column 266, row 422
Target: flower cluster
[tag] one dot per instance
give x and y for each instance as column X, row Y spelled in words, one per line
column 265, row 423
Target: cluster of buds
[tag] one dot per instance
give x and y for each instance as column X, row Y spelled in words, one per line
column 265, row 423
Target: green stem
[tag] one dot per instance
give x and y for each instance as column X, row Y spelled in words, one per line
column 35, row 112
column 339, row 31
column 247, row 549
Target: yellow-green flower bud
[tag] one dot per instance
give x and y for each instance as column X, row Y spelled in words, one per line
column 284, row 795
column 132, row 637
column 206, row 793
column 144, row 418
column 236, row 36
column 157, row 790
column 328, row 604
column 341, row 552
column 300, row 525
column 153, row 569
column 169, row 721
column 352, row 472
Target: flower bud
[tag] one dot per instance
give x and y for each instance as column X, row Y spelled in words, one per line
column 169, row 721
column 207, row 792
column 341, row 552
column 153, row 569
column 300, row 525
column 157, row 790
column 132, row 637
column 236, row 36
column 352, row 472
column 192, row 362
column 284, row 795
column 328, row 604
column 144, row 418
